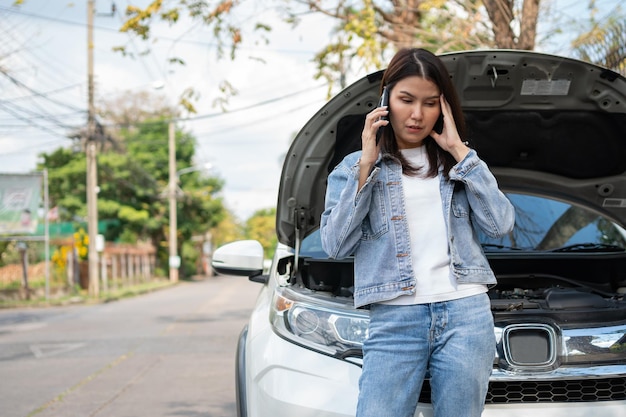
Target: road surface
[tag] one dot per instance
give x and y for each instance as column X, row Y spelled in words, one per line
column 167, row 353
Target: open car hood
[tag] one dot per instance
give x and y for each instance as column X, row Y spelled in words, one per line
column 545, row 125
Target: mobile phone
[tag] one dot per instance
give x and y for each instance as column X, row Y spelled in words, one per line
column 439, row 124
column 384, row 101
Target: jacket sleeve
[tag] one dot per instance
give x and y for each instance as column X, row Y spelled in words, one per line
column 345, row 208
column 491, row 210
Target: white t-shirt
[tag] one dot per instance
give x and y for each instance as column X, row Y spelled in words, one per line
column 430, row 254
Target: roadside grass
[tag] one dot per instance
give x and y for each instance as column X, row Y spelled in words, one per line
column 13, row 296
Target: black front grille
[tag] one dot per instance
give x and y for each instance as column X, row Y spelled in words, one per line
column 583, row 390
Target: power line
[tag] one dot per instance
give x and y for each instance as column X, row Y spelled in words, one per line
column 34, row 118
column 254, row 122
column 29, row 121
column 31, row 117
column 252, row 106
column 30, row 149
column 37, row 93
column 47, row 93
column 164, row 38
column 53, row 19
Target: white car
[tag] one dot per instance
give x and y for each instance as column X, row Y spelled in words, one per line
column 553, row 131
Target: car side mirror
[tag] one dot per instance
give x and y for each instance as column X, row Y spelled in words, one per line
column 242, row 258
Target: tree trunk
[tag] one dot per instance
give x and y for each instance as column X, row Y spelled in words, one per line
column 570, row 222
column 405, row 21
column 502, row 16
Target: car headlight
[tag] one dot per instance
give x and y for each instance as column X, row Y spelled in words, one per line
column 335, row 332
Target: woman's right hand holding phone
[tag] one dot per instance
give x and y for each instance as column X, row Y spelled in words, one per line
column 370, row 148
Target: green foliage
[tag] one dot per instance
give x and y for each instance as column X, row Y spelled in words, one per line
column 133, row 187
column 4, row 253
column 262, row 227
column 108, row 208
column 227, row 230
column 133, row 216
column 128, row 236
column 9, row 253
column 67, row 182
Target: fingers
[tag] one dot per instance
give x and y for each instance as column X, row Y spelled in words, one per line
column 449, row 137
column 375, row 115
column 375, row 121
column 445, row 108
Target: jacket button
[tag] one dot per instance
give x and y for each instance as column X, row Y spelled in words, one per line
column 396, row 218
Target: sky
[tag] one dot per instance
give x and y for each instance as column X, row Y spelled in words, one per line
column 43, row 85
column 44, row 47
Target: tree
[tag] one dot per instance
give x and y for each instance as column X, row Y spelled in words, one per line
column 227, row 230
column 213, row 13
column 567, row 225
column 604, row 44
column 367, row 30
column 261, row 226
column 506, row 15
column 133, row 180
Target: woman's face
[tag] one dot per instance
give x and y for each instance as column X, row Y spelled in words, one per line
column 413, row 110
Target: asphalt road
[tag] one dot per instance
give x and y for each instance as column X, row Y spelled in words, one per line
column 167, row 353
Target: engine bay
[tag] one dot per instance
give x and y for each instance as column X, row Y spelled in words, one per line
column 564, row 288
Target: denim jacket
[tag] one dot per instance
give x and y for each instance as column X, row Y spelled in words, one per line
column 370, row 224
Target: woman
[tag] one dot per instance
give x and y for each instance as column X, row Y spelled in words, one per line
column 406, row 208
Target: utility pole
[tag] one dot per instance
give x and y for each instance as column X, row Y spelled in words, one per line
column 174, row 261
column 91, row 150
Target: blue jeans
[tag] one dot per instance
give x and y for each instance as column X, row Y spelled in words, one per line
column 453, row 341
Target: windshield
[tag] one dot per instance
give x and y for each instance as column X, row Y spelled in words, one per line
column 541, row 224
column 544, row 224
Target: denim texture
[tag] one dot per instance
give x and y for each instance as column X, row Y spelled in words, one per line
column 371, row 224
column 452, row 342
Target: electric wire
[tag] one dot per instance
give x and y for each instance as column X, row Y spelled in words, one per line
column 37, row 93
column 160, row 37
column 30, row 122
column 34, row 94
column 32, row 107
column 50, row 92
column 201, row 136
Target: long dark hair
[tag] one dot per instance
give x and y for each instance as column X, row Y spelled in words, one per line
column 416, row 61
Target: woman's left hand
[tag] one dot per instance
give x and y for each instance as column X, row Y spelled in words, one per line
column 449, row 139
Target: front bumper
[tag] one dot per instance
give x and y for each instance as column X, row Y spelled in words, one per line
column 277, row 378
